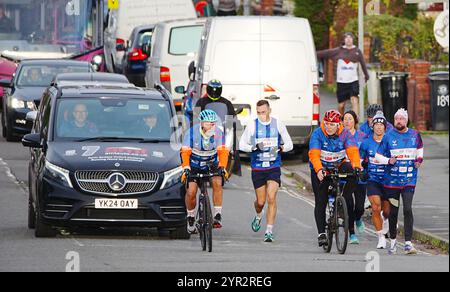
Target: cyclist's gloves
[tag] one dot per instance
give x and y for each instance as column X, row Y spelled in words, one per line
column 185, row 176
column 223, row 173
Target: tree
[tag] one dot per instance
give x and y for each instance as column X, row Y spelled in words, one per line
column 320, row 15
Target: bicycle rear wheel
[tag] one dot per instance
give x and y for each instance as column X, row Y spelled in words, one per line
column 208, row 222
column 341, row 221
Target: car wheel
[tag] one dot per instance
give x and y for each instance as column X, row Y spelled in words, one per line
column 42, row 229
column 180, row 233
column 31, row 214
column 3, row 127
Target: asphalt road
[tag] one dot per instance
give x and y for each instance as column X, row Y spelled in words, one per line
column 236, row 246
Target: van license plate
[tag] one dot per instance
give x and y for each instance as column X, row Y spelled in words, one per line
column 116, row 203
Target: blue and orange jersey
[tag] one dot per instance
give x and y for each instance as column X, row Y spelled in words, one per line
column 328, row 151
column 199, row 151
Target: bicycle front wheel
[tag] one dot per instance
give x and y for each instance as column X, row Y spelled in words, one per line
column 208, row 223
column 202, row 222
column 341, row 221
column 329, row 230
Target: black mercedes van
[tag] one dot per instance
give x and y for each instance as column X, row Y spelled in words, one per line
column 104, row 154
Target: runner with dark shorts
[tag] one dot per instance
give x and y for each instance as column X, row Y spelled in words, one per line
column 264, row 138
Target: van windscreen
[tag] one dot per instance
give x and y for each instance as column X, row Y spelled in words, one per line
column 185, row 39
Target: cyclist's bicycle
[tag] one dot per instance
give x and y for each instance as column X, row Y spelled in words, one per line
column 337, row 223
column 204, row 220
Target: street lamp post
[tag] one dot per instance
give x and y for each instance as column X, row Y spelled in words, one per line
column 361, row 47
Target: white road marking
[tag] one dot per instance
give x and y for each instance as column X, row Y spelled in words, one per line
column 5, row 167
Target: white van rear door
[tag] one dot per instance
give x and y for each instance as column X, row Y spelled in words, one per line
column 286, row 81
column 236, row 63
column 183, row 45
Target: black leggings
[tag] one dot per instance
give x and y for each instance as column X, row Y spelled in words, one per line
column 407, row 198
column 321, row 198
column 360, row 200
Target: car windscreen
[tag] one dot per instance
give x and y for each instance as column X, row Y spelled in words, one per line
column 42, row 75
column 127, row 118
column 185, row 39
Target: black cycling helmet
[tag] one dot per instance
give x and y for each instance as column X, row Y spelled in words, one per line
column 214, row 89
column 373, row 109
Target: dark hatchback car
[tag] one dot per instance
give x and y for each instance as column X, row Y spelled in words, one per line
column 24, row 92
column 135, row 60
column 105, row 156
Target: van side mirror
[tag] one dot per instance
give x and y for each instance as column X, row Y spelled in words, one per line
column 180, row 89
column 5, row 83
column 321, row 72
column 32, row 140
column 191, row 71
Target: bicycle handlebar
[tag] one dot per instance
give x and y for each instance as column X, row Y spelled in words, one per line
column 334, row 172
column 204, row 175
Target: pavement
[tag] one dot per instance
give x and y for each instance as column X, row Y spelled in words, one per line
column 431, row 201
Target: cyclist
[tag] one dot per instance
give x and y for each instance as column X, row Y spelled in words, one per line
column 263, row 138
column 356, row 206
column 371, row 111
column 402, row 150
column 329, row 146
column 376, row 171
column 226, row 114
column 204, row 146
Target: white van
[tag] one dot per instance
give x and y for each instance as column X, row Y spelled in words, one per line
column 174, row 46
column 263, row 57
column 133, row 13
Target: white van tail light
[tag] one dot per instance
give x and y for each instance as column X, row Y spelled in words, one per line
column 316, row 104
column 164, row 74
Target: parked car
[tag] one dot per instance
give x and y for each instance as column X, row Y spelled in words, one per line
column 24, row 92
column 175, row 44
column 108, row 160
column 135, row 60
column 260, row 57
column 133, row 13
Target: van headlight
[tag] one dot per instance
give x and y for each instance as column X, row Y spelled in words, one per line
column 58, row 174
column 172, row 177
column 17, row 103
